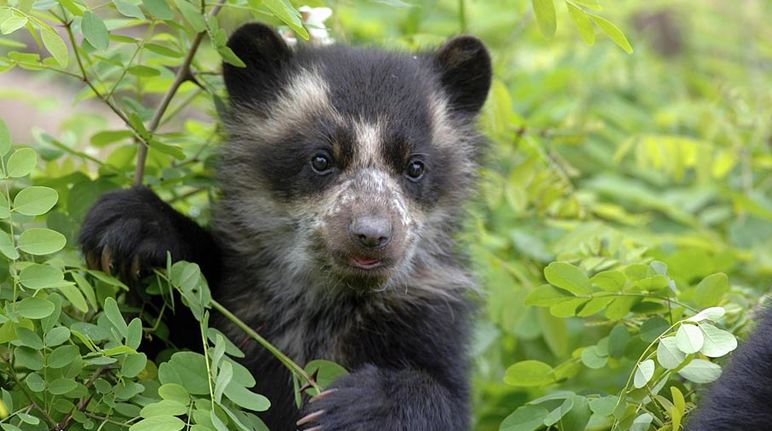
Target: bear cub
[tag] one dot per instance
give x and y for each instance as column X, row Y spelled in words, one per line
column 342, row 179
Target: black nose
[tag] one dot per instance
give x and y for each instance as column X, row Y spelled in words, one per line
column 371, row 231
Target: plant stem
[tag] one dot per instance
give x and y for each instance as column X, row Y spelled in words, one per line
column 284, row 359
column 183, row 74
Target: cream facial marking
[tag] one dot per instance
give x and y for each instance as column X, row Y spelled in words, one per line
column 307, row 95
column 368, row 148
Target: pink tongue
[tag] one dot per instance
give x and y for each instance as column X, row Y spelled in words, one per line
column 365, row 261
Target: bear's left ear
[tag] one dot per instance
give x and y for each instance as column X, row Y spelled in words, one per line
column 465, row 72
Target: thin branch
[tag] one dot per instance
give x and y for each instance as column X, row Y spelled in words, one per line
column 85, row 78
column 26, row 392
column 278, row 354
column 62, row 425
column 183, row 74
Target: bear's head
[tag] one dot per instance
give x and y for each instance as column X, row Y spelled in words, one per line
column 349, row 163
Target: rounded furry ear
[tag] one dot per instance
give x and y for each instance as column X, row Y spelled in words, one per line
column 264, row 53
column 465, row 72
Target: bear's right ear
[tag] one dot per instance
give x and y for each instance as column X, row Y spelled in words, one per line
column 264, row 53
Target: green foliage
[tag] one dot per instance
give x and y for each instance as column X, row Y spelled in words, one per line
column 622, row 234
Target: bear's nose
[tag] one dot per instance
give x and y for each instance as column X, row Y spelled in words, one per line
column 371, row 231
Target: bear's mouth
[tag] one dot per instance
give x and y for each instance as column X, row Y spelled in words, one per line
column 366, row 263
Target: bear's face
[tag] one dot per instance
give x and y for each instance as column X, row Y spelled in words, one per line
column 350, row 157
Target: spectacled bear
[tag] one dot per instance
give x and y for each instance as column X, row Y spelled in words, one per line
column 741, row 399
column 342, row 184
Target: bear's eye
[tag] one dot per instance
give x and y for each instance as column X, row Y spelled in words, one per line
column 321, row 163
column 415, row 170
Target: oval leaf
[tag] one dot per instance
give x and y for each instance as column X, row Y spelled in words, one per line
column 689, row 338
column 567, row 277
column 41, row 241
column 35, row 200
column 643, row 373
column 22, row 162
column 528, row 373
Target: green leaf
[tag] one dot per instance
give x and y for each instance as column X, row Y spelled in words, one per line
column 5, row 138
column 164, row 408
column 604, row 406
column 653, row 328
column 679, row 407
column 158, row 8
column 134, row 333
column 143, row 71
column 13, row 23
column 642, row 422
column 133, row 364
column 27, row 418
column 128, row 9
column 22, row 162
column 689, row 338
column 35, row 382
column 95, row 31
column 528, row 373
column 717, row 341
column 526, row 418
column 223, row 379
column 192, row 15
column 39, row 276
column 582, row 22
column 245, row 398
column 34, row 308
column 700, row 371
column 230, row 57
column 174, row 392
column 283, row 10
column 55, row 45
column 28, row 338
column 86, row 288
column 74, row 296
column 613, row 32
column 643, row 373
column 113, row 314
column 7, row 247
column 35, row 200
column 711, row 289
column 592, row 358
column 57, row 336
column 158, row 423
column 712, row 313
column 326, row 371
column 40, row 241
column 567, row 277
column 556, row 414
column 61, row 386
column 163, row 50
column 579, row 416
column 617, row 341
column 187, row 369
column 62, row 356
column 546, row 296
column 545, row 15
column 668, row 353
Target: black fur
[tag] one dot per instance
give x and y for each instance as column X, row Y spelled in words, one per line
column 403, row 340
column 741, row 399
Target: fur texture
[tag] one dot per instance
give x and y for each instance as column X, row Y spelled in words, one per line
column 342, row 185
column 741, row 399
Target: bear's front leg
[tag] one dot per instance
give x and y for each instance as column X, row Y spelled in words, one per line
column 381, row 399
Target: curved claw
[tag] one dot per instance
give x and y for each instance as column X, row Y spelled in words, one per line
column 107, row 261
column 311, row 417
column 91, row 261
column 322, row 395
